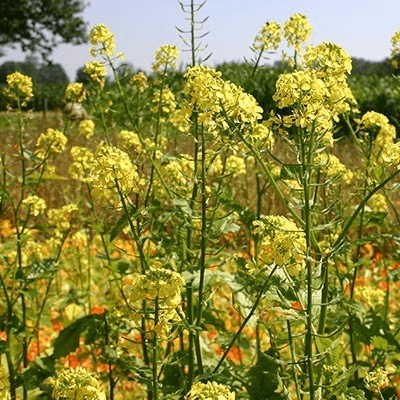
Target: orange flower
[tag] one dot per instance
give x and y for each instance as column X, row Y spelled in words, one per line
column 98, row 310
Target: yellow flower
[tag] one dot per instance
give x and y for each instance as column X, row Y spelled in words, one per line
column 36, row 204
column 210, row 391
column 75, row 92
column 113, row 175
column 83, row 162
column 19, row 86
column 328, row 59
column 377, row 203
column 268, row 38
column 215, row 99
column 332, row 167
column 376, row 380
column 74, row 384
column 282, row 242
column 297, row 31
column 97, row 72
column 4, row 384
column 86, row 128
column 163, row 287
column 166, row 100
column 102, row 40
column 53, row 140
column 372, row 297
column 166, row 57
column 395, row 53
column 140, row 81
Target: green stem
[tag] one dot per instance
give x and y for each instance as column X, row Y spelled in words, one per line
column 245, row 321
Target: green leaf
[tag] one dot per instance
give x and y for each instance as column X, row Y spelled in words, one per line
column 352, row 393
column 68, row 339
column 123, row 222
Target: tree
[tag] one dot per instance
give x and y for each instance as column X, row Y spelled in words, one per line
column 40, row 25
column 50, row 74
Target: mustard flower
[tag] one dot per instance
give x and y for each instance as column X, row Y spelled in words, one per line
column 131, row 139
column 297, row 31
column 262, row 136
column 61, row 218
column 328, row 59
column 82, row 164
column 73, row 384
column 19, row 86
column 395, row 53
column 102, row 40
column 75, row 92
column 210, row 391
column 332, row 167
column 36, row 204
column 377, row 203
column 370, row 296
column 53, row 140
column 140, row 81
column 4, row 384
column 97, row 72
column 215, row 99
column 113, row 175
column 162, row 286
column 165, row 100
column 268, row 38
column 178, row 171
column 166, row 57
column 385, row 151
column 376, row 380
column 86, row 128
column 283, row 243
column 300, row 86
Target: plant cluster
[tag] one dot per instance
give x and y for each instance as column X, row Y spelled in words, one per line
column 194, row 245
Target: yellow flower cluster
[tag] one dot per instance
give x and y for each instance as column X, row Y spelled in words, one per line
column 113, row 175
column 179, row 173
column 75, row 92
column 262, row 136
column 210, row 391
column 61, row 218
column 318, row 93
column 140, row 81
column 376, row 380
column 282, row 242
column 377, row 203
column 385, row 150
column 102, row 40
column 297, row 31
column 213, row 98
column 163, row 287
column 83, row 162
column 328, row 59
column 332, row 167
column 72, row 384
column 395, row 39
column 166, row 57
column 53, row 140
column 97, row 72
column 370, row 296
column 86, row 128
column 4, row 384
column 35, row 204
column 268, row 38
column 165, row 99
column 19, row 86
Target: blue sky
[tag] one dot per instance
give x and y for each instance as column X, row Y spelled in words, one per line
column 362, row 27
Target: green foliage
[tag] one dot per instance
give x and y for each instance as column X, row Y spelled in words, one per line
column 38, row 26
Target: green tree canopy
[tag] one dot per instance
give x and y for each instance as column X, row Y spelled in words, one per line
column 40, row 25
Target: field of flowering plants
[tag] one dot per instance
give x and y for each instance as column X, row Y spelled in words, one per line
column 189, row 244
